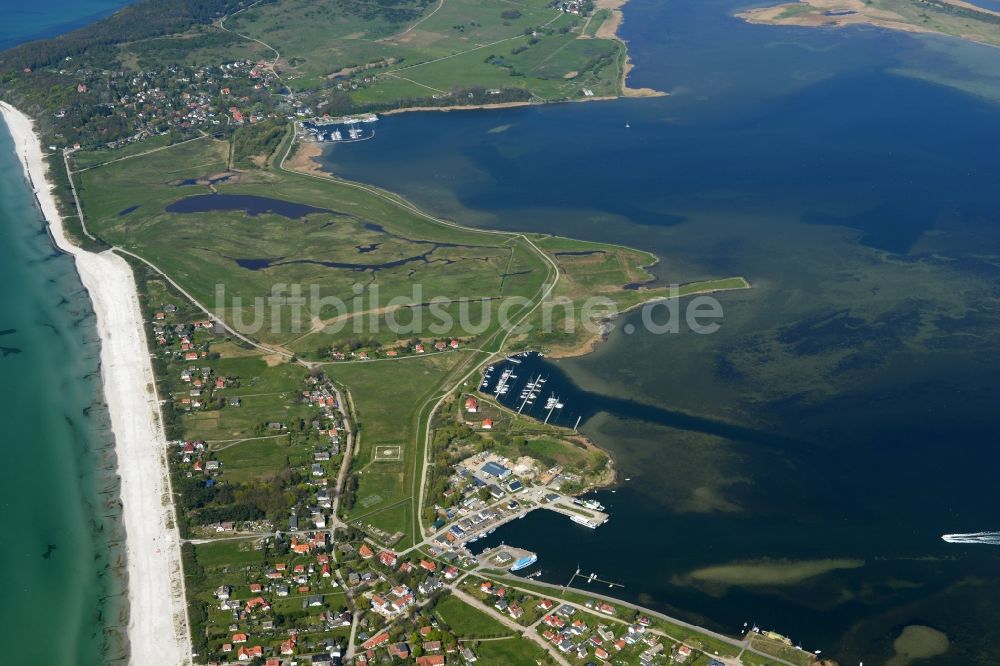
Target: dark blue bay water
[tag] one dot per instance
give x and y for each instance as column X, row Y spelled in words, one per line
column 60, row 534
column 987, row 4
column 845, row 414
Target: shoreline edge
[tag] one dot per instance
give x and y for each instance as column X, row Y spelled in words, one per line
column 157, row 606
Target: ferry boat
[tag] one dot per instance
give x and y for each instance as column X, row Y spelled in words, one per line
column 580, row 520
column 589, row 504
column 524, row 562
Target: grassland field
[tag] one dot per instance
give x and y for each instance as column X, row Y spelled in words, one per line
column 466, row 621
column 512, row 652
column 358, row 238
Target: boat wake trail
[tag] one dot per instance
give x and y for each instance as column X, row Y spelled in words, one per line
column 988, row 538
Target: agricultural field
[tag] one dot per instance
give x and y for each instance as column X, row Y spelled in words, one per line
column 382, row 54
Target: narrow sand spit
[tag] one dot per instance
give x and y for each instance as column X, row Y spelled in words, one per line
column 158, row 628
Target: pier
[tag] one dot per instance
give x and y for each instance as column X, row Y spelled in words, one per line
column 575, row 512
column 591, row 578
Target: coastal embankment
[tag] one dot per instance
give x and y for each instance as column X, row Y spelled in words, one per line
column 158, row 628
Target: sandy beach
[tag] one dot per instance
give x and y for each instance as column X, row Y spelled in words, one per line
column 158, row 628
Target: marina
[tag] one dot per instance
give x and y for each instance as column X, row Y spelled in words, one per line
column 522, row 383
column 347, row 129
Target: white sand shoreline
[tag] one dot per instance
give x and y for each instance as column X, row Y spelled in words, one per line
column 158, row 627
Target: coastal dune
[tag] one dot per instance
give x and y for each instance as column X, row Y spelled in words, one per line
column 158, row 627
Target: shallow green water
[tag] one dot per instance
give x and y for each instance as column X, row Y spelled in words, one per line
column 60, row 534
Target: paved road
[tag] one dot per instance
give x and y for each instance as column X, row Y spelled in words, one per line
column 528, row 633
column 743, row 644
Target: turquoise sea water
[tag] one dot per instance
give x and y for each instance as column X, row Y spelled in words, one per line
column 846, row 413
column 60, row 535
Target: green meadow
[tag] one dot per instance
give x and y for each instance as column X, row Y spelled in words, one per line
column 467, row 622
column 420, row 49
column 360, row 257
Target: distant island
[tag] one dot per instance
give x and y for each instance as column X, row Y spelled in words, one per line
column 955, row 18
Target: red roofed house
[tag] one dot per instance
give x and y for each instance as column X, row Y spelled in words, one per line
column 471, row 405
column 387, row 558
column 487, row 424
column 431, row 660
column 375, row 641
column 606, row 608
column 246, row 654
column 365, row 552
column 257, row 602
column 427, row 564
